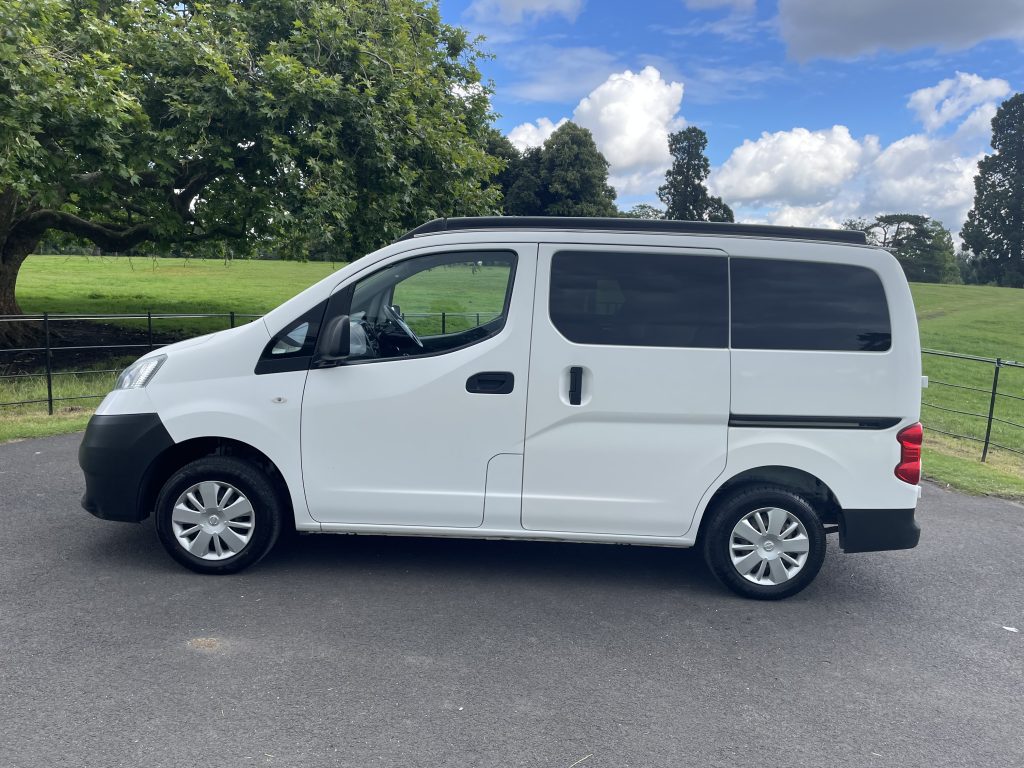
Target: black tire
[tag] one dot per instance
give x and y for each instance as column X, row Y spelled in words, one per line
column 245, row 477
column 717, row 540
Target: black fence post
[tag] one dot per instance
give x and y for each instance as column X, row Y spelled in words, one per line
column 231, row 319
column 49, row 364
column 149, row 325
column 991, row 408
column 443, row 324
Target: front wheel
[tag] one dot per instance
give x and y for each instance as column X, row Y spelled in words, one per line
column 218, row 515
column 764, row 542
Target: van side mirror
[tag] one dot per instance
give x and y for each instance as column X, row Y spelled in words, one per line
column 333, row 344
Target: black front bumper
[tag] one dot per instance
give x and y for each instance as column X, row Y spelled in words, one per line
column 115, row 455
column 875, row 530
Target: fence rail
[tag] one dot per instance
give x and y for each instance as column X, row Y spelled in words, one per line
column 48, row 349
column 51, row 372
column 998, row 364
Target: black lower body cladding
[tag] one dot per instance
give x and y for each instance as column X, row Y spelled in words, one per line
column 115, row 455
column 876, row 530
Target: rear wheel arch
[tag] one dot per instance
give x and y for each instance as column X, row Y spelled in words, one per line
column 801, row 482
column 187, row 451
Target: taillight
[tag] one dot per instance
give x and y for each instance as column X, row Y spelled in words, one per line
column 909, row 468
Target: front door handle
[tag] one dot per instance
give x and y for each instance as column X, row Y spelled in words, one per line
column 491, row 383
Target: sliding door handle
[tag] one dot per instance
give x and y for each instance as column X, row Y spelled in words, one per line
column 491, row 383
column 575, row 385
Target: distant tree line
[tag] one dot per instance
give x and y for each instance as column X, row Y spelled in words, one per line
column 923, row 247
column 568, row 176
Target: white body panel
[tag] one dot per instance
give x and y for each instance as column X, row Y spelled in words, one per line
column 400, row 447
column 795, row 383
column 401, row 442
column 647, row 438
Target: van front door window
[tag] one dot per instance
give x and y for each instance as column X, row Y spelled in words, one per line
column 430, row 305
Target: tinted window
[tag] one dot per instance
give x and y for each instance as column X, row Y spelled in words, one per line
column 805, row 305
column 640, row 299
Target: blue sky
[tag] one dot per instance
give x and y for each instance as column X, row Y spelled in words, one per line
column 815, row 110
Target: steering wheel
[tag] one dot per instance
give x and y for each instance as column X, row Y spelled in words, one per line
column 394, row 317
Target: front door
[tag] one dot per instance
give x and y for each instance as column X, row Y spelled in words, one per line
column 435, row 386
column 629, row 388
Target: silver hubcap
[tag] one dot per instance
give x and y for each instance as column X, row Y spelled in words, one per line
column 213, row 520
column 769, row 546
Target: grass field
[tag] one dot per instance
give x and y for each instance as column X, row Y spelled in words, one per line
column 968, row 319
column 987, row 322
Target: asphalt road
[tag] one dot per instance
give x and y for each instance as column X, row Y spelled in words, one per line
column 367, row 651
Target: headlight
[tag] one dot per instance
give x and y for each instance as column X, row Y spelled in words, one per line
column 139, row 373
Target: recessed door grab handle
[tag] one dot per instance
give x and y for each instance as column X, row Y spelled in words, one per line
column 575, row 385
column 491, row 383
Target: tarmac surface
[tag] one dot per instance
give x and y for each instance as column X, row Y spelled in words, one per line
column 382, row 651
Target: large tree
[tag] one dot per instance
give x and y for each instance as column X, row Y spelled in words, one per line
column 566, row 176
column 314, row 123
column 574, row 175
column 923, row 247
column 684, row 192
column 994, row 231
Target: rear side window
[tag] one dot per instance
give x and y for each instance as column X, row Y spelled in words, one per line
column 640, row 299
column 804, row 305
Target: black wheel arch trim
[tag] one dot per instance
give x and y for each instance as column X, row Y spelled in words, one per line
column 115, row 455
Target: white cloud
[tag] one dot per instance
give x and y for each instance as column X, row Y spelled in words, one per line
column 847, row 28
column 534, row 134
column 517, row 11
column 745, row 6
column 800, row 167
column 978, row 124
column 922, row 174
column 955, row 97
column 630, row 115
column 799, row 177
column 819, row 178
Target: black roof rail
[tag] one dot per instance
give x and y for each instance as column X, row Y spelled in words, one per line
column 653, row 226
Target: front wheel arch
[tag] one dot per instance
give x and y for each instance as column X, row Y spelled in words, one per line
column 187, row 451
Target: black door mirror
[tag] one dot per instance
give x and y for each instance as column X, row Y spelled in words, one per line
column 333, row 345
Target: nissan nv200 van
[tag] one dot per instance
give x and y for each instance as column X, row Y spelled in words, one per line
column 745, row 389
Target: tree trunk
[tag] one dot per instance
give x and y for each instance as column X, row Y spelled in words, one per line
column 15, row 250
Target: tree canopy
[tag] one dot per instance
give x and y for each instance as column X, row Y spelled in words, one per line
column 310, row 123
column 684, row 192
column 923, row 247
column 567, row 176
column 994, row 231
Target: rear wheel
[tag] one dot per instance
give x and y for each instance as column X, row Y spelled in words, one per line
column 218, row 514
column 764, row 542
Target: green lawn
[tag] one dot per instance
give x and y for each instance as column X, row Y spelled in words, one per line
column 70, row 284
column 969, row 319
column 983, row 321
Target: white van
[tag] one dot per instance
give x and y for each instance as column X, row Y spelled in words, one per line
column 743, row 388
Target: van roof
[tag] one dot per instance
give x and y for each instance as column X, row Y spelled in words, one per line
column 651, row 226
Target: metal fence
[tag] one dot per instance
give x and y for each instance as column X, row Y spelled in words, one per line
column 51, row 351
column 992, row 393
column 940, row 417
